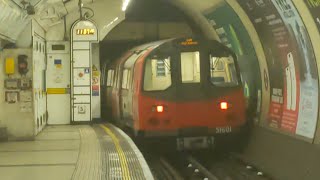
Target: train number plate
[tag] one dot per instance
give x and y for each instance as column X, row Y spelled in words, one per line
column 194, row 142
column 222, row 130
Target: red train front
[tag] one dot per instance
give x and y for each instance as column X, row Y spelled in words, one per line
column 178, row 88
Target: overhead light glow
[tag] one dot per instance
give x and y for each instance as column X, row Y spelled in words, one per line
column 125, row 5
column 116, row 19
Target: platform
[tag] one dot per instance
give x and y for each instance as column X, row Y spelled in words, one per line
column 80, row 152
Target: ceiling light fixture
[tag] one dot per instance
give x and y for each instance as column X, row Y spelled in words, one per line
column 125, row 5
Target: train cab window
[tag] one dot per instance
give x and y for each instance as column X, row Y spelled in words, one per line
column 190, row 67
column 223, row 71
column 157, row 75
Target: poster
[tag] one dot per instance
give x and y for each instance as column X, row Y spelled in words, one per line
column 314, row 8
column 95, row 81
column 274, row 38
column 308, row 103
column 291, row 65
column 233, row 34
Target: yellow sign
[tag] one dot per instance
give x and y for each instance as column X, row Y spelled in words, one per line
column 189, row 42
column 9, row 66
column 85, row 31
column 56, row 91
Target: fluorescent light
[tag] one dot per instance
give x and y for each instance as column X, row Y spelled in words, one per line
column 125, row 5
column 115, row 19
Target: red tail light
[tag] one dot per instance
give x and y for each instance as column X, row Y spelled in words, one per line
column 224, row 106
column 159, row 109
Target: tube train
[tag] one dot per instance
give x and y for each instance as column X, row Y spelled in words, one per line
column 186, row 88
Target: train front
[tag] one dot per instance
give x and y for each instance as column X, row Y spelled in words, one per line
column 191, row 91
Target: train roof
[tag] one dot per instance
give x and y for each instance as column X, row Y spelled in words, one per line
column 151, row 44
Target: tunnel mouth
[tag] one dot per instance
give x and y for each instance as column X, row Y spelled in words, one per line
column 146, row 13
column 147, row 21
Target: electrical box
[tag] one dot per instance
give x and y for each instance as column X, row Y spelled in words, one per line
column 11, row 83
column 9, row 66
column 58, row 47
column 25, row 83
column 25, row 96
column 12, row 97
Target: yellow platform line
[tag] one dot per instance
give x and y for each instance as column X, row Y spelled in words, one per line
column 123, row 160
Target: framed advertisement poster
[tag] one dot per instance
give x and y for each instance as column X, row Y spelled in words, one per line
column 291, row 65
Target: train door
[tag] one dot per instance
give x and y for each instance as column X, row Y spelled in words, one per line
column 191, row 87
column 127, row 93
column 116, row 93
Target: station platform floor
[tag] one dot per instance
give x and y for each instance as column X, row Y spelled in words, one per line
column 77, row 152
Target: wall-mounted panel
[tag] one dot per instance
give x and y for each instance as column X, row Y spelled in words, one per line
column 16, row 99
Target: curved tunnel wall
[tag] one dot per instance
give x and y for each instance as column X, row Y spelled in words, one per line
column 289, row 54
column 233, row 34
column 285, row 141
column 291, row 65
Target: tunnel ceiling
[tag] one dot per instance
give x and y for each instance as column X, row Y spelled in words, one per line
column 163, row 10
column 152, row 10
column 24, row 3
column 203, row 5
column 48, row 13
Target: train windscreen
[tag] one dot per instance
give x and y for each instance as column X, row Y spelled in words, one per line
column 157, row 74
column 223, row 71
column 190, row 67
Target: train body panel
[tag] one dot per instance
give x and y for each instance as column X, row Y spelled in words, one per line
column 116, row 90
column 206, row 114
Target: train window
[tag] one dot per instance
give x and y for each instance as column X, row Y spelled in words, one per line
column 128, row 65
column 104, row 71
column 124, row 78
column 128, row 79
column 117, row 79
column 223, row 71
column 157, row 75
column 190, row 67
column 110, row 77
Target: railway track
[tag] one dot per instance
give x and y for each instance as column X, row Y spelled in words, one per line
column 198, row 165
column 176, row 166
